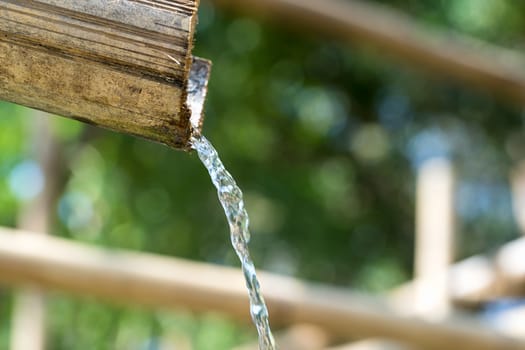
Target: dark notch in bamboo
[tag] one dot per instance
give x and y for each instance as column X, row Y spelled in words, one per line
column 122, row 65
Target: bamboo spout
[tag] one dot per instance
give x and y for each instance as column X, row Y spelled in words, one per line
column 123, row 65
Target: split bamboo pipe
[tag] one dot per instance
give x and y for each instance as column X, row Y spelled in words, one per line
column 156, row 281
column 124, row 65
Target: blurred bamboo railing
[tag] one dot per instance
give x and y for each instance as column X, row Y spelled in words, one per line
column 517, row 179
column 429, row 295
column 373, row 344
column 479, row 279
column 57, row 264
column 297, row 337
column 496, row 70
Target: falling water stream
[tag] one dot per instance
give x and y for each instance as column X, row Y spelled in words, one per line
column 230, row 196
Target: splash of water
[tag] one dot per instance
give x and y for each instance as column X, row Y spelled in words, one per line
column 231, row 199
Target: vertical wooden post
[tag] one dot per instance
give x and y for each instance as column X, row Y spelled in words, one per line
column 29, row 313
column 434, row 237
column 373, row 344
column 518, row 194
column 28, row 323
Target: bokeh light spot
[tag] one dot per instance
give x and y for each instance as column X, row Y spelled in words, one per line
column 26, row 180
column 75, row 210
column 371, row 143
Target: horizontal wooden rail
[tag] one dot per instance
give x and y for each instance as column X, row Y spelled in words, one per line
column 123, row 65
column 158, row 281
column 372, row 344
column 297, row 337
column 497, row 70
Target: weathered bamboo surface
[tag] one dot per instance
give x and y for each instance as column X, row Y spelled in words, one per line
column 142, row 278
column 122, row 65
column 446, row 54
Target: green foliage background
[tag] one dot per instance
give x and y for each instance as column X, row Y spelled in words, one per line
column 323, row 138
